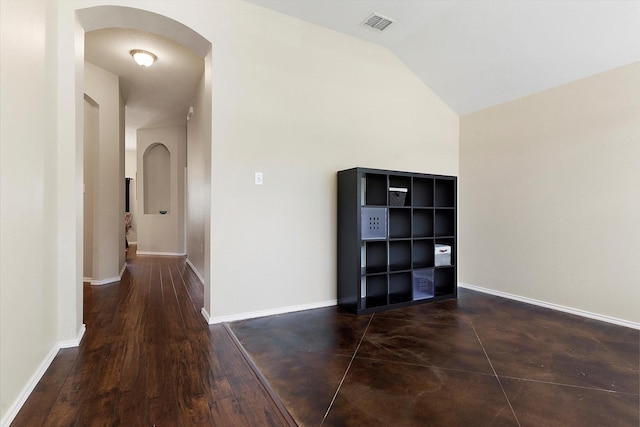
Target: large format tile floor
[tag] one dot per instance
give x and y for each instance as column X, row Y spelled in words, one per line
column 479, row 360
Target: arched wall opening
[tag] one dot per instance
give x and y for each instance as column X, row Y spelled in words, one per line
column 107, row 16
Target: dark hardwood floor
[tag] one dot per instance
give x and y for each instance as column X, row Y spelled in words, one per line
column 148, row 358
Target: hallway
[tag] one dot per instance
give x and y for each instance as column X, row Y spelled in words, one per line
column 149, row 358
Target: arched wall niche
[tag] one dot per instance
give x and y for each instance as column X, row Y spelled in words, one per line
column 157, row 179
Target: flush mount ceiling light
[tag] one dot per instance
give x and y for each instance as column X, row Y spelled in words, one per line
column 143, row 58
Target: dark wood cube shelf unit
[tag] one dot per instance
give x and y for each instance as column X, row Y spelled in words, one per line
column 391, row 228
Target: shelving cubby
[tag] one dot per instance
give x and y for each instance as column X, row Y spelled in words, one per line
column 445, row 222
column 422, row 222
column 389, row 224
column 400, row 288
column 423, row 188
column 399, row 255
column 422, row 254
column 376, row 291
column 399, row 223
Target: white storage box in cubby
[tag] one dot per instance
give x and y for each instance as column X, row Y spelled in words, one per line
column 442, row 255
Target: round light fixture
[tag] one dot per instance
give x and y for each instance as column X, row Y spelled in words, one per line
column 143, row 58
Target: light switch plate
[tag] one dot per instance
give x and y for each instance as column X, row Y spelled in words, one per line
column 258, row 178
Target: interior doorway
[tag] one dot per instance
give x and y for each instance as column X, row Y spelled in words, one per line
column 103, row 17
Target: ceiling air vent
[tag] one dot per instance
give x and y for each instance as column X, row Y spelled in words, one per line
column 377, row 22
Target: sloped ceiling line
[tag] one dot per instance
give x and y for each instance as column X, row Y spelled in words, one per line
column 475, row 54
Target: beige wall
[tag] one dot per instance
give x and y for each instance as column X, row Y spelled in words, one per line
column 108, row 175
column 550, row 196
column 156, row 233
column 28, row 216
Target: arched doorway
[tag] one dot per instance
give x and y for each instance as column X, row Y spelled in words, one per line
column 100, row 17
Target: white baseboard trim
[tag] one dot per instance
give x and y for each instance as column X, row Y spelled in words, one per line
column 133, row 243
column 37, row 376
column 28, row 389
column 87, row 279
column 552, row 306
column 195, row 271
column 109, row 280
column 105, row 281
column 269, row 312
column 206, row 316
column 75, row 342
column 160, row 253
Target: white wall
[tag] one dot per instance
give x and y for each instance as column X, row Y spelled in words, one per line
column 550, row 196
column 162, row 234
column 29, row 322
column 108, row 171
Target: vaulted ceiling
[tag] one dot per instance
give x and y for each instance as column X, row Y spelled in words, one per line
column 479, row 53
